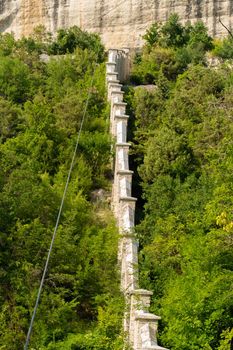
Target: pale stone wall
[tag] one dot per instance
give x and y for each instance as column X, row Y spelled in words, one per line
column 140, row 325
column 121, row 24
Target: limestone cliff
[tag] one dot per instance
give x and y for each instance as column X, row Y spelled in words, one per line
column 120, row 23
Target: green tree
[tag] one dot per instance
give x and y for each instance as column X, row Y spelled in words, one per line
column 69, row 39
column 183, row 144
column 13, row 70
column 42, row 104
column 224, row 48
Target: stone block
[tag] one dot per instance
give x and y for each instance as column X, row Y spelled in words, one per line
column 140, row 300
column 122, row 156
column 129, row 264
column 116, row 81
column 112, row 76
column 121, row 188
column 112, row 86
column 125, row 186
column 117, row 96
column 120, row 130
column 110, row 67
column 117, row 190
column 127, row 214
column 117, row 109
column 143, row 325
column 112, row 55
column 121, row 58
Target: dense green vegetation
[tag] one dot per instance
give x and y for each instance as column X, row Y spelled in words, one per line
column 41, row 107
column 183, row 151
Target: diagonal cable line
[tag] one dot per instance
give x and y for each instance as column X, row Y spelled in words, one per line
column 59, row 212
column 63, row 196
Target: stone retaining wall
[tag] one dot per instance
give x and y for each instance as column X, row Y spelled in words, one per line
column 139, row 324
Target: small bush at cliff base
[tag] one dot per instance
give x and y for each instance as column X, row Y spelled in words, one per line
column 169, row 49
column 224, row 48
column 173, row 34
column 68, row 40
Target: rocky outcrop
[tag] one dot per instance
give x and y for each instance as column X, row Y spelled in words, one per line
column 120, row 23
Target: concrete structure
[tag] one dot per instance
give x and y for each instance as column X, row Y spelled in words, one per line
column 139, row 324
column 120, row 23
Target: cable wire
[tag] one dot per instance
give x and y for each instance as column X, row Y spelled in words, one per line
column 63, row 196
column 59, row 212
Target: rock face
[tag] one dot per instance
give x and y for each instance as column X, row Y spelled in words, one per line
column 120, row 23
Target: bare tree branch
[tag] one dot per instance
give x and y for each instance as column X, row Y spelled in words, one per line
column 229, row 32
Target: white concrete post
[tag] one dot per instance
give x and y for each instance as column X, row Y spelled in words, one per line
column 113, row 86
column 120, row 131
column 112, row 77
column 111, row 67
column 116, row 97
column 112, row 55
column 117, row 109
column 143, row 325
column 122, row 156
column 129, row 264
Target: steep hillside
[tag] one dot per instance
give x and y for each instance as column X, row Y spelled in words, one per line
column 181, row 130
column 41, row 108
column 183, row 141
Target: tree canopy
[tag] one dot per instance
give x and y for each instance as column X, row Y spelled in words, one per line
column 41, row 108
column 182, row 136
column 182, row 153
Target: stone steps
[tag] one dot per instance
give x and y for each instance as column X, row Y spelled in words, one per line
column 139, row 324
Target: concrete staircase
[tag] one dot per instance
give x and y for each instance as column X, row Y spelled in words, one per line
column 139, row 324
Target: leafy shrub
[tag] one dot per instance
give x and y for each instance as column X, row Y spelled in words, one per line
column 42, row 105
column 183, row 144
column 169, row 49
column 69, row 39
column 224, row 48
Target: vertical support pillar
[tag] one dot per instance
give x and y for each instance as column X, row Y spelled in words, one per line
column 112, row 86
column 121, row 164
column 121, row 58
column 120, row 127
column 143, row 325
column 117, row 109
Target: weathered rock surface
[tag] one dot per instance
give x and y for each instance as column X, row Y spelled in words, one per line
column 121, row 23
